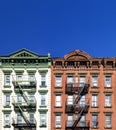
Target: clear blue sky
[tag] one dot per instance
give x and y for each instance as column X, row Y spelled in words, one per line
column 58, row 26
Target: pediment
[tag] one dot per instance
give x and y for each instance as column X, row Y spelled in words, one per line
column 77, row 55
column 23, row 54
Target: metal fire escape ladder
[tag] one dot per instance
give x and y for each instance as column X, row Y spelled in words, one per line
column 79, row 96
column 24, row 95
column 83, row 108
column 80, row 115
column 24, row 116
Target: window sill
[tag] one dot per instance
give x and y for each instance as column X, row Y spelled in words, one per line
column 42, row 106
column 107, row 106
column 94, row 127
column 43, row 126
column 94, row 87
column 7, row 126
column 58, row 87
column 108, row 87
column 44, row 86
column 58, row 106
column 7, row 86
column 108, row 127
column 58, row 127
column 7, row 106
column 94, row 106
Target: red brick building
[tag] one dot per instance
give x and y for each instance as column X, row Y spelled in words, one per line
column 83, row 92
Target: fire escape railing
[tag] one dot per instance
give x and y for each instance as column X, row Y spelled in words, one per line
column 75, row 107
column 26, row 104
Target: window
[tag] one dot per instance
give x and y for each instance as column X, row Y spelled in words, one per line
column 19, row 118
column 7, row 99
column 19, row 98
column 58, row 81
column 7, row 80
column 43, row 99
column 108, row 121
column 82, row 101
column 94, row 81
column 70, row 100
column 58, row 100
column 82, row 81
column 43, row 80
column 31, row 78
column 107, row 100
column 58, row 121
column 82, row 121
column 94, row 100
column 31, row 98
column 19, row 77
column 70, row 120
column 6, row 119
column 31, row 118
column 43, row 120
column 94, row 120
column 108, row 81
column 70, row 79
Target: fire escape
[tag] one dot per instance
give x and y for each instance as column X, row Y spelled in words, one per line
column 78, row 110
column 23, row 108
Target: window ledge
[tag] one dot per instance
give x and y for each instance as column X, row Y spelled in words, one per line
column 94, row 127
column 7, row 86
column 43, row 126
column 7, row 106
column 58, row 127
column 108, row 127
column 44, row 86
column 107, row 106
column 57, row 87
column 42, row 106
column 7, row 126
column 94, row 106
column 57, row 106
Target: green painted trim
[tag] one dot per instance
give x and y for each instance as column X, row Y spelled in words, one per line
column 7, row 126
column 7, row 86
column 19, row 71
column 7, row 71
column 7, row 91
column 43, row 126
column 7, row 111
column 42, row 91
column 43, row 86
column 43, row 110
column 7, row 106
column 43, row 71
column 31, row 71
column 42, row 106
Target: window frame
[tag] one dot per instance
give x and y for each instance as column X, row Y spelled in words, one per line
column 94, row 100
column 108, row 83
column 7, row 82
column 94, row 120
column 58, row 81
column 7, row 122
column 58, row 101
column 43, row 118
column 58, row 121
